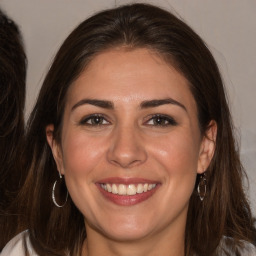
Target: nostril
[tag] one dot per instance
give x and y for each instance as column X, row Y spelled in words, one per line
column 127, row 159
column 126, row 164
column 126, row 149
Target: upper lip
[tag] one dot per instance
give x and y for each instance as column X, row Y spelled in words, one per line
column 126, row 181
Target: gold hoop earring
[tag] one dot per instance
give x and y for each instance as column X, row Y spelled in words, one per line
column 53, row 193
column 202, row 187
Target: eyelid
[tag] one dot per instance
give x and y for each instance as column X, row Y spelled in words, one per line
column 170, row 119
column 85, row 119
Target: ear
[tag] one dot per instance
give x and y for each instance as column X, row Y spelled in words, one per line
column 207, row 147
column 56, row 150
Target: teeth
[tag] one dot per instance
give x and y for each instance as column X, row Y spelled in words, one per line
column 131, row 189
column 121, row 189
column 145, row 187
column 140, row 189
column 114, row 189
column 109, row 188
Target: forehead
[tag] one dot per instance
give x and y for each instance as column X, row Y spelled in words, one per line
column 130, row 75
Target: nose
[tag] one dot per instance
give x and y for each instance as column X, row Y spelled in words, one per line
column 126, row 149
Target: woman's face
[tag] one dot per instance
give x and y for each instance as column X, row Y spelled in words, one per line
column 131, row 146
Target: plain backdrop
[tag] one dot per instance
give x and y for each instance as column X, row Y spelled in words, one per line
column 228, row 27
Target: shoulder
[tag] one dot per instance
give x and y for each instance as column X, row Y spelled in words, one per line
column 248, row 249
column 15, row 247
column 229, row 247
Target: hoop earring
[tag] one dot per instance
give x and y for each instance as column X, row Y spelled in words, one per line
column 53, row 194
column 202, row 188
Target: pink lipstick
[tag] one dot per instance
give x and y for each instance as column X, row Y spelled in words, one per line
column 127, row 191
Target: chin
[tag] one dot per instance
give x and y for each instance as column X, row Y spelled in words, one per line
column 127, row 228
column 124, row 234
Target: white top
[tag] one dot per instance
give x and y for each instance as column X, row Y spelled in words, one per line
column 16, row 248
column 247, row 250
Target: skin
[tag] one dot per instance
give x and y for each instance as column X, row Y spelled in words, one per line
column 129, row 144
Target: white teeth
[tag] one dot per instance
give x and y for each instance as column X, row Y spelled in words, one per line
column 122, row 189
column 109, row 188
column 131, row 189
column 140, row 189
column 114, row 189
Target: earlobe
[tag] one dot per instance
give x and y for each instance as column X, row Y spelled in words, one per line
column 56, row 151
column 207, row 148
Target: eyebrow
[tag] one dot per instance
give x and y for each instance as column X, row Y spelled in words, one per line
column 160, row 102
column 98, row 103
column 145, row 104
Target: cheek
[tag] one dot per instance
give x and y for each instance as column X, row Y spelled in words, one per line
column 178, row 153
column 178, row 159
column 81, row 155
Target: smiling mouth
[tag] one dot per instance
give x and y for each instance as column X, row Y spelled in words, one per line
column 127, row 190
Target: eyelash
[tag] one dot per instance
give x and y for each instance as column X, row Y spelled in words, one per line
column 168, row 121
column 89, row 120
column 159, row 120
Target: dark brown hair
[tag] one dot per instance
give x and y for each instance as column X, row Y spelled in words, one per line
column 12, row 99
column 225, row 210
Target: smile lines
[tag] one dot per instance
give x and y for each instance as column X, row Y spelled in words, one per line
column 127, row 190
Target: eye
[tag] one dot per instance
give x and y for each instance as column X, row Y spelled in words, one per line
column 161, row 120
column 94, row 120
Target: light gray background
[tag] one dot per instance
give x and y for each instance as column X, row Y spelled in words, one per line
column 228, row 27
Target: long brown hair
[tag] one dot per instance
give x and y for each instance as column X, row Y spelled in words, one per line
column 12, row 100
column 225, row 210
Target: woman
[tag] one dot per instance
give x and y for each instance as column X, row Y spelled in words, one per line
column 133, row 116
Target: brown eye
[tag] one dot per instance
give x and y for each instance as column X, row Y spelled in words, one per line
column 94, row 120
column 161, row 120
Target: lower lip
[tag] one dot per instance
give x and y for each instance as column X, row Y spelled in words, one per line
column 127, row 200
